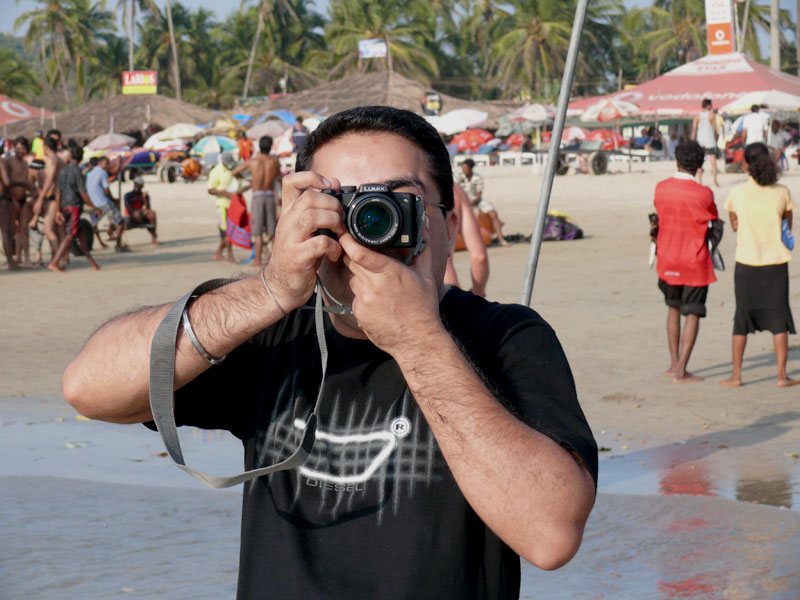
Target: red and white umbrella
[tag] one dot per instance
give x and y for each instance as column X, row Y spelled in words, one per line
column 610, row 110
column 472, row 139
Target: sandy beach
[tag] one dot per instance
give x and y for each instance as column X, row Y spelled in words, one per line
column 656, row 437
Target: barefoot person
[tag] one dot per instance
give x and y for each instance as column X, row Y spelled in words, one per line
column 265, row 171
column 70, row 197
column 7, row 214
column 21, row 191
column 44, row 203
column 219, row 180
column 685, row 270
column 472, row 183
column 761, row 279
column 470, row 232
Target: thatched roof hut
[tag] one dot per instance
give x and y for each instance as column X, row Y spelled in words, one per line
column 131, row 113
column 382, row 87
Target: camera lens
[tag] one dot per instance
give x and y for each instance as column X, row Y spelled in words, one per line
column 374, row 221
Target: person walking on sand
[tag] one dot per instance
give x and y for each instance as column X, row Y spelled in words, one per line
column 705, row 133
column 265, row 170
column 44, row 203
column 219, row 180
column 70, row 198
column 685, row 270
column 757, row 210
column 472, row 183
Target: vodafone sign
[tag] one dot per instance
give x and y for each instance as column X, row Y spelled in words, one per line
column 719, row 17
column 139, row 82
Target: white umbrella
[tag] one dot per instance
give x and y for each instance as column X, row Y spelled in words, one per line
column 111, row 140
column 533, row 112
column 574, row 133
column 774, row 99
column 610, row 110
column 179, row 130
column 273, row 128
column 457, row 120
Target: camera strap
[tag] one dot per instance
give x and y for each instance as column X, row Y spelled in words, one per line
column 162, row 390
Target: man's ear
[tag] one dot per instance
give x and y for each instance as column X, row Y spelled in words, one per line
column 452, row 225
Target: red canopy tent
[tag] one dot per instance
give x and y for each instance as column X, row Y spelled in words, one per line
column 14, row 110
column 679, row 92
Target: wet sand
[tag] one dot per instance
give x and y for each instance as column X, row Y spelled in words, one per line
column 658, row 438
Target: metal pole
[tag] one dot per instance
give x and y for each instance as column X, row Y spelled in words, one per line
column 552, row 155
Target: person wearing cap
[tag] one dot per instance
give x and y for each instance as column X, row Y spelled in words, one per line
column 137, row 208
column 219, row 180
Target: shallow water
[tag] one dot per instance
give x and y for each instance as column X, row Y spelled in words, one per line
column 93, row 510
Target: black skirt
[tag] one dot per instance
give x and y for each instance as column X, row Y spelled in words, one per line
column 762, row 299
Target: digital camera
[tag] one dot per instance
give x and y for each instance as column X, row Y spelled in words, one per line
column 379, row 218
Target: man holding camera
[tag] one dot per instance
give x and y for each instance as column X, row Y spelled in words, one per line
column 450, row 439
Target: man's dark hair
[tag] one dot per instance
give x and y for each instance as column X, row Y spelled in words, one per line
column 265, row 144
column 706, row 102
column 755, row 108
column 366, row 119
column 760, row 165
column 690, row 156
column 93, row 161
column 51, row 143
column 469, row 162
column 22, row 140
column 77, row 153
column 299, row 120
column 53, row 132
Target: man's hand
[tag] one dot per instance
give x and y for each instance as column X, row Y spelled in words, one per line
column 298, row 251
column 60, row 218
column 396, row 306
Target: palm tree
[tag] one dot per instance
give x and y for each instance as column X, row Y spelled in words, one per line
column 758, row 25
column 52, row 25
column 94, row 23
column 157, row 34
column 107, row 62
column 532, row 42
column 17, row 78
column 129, row 19
column 272, row 11
column 404, row 32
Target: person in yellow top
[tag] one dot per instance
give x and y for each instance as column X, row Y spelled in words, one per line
column 761, row 278
column 37, row 145
column 219, row 180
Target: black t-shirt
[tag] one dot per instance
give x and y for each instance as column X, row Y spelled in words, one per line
column 71, row 183
column 375, row 512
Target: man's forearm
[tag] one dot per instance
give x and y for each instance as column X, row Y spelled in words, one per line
column 528, row 489
column 109, row 379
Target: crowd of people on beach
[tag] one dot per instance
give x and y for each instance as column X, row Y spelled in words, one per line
column 43, row 191
column 688, row 227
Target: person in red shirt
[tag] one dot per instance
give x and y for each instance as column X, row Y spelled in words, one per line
column 685, row 270
column 137, row 208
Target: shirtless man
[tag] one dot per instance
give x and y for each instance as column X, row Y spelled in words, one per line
column 265, row 170
column 7, row 216
column 470, row 232
column 44, row 204
column 21, row 192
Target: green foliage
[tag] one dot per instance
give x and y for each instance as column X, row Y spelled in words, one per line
column 17, row 79
column 481, row 49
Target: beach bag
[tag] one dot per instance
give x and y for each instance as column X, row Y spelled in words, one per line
column 559, row 226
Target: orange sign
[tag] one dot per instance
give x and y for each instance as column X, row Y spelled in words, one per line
column 139, row 82
column 719, row 17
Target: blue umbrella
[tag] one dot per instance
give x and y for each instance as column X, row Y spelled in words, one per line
column 214, row 144
column 281, row 114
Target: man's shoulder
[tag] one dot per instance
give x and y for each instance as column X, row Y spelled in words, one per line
column 473, row 317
